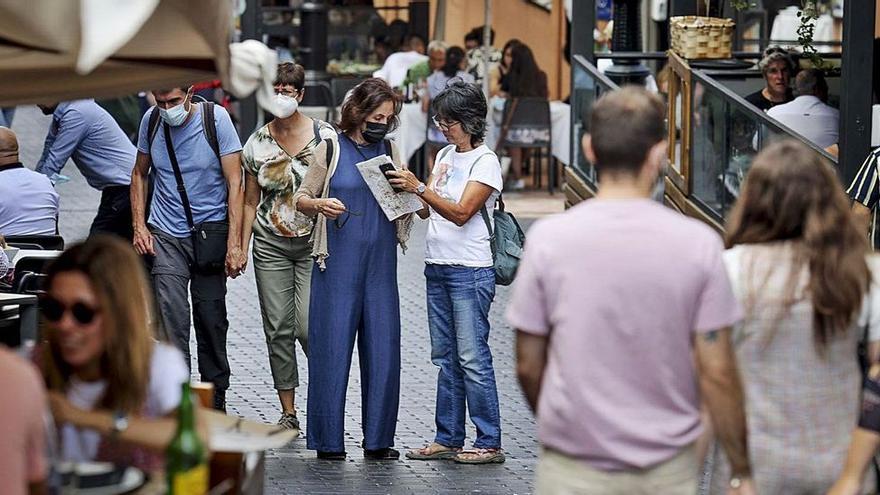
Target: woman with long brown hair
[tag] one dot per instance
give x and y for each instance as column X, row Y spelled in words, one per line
column 800, row 267
column 112, row 388
column 354, row 291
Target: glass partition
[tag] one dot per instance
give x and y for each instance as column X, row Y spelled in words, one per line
column 726, row 134
column 588, row 85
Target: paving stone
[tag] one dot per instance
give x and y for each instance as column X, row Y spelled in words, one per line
column 294, row 469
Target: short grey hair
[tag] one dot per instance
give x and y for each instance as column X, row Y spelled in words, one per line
column 773, row 54
column 437, row 46
column 810, row 82
column 463, row 103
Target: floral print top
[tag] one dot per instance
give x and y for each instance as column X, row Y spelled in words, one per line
column 280, row 175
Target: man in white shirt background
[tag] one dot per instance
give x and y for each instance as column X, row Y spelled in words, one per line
column 396, row 65
column 808, row 114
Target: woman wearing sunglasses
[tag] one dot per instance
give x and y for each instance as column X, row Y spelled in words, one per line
column 113, row 390
column 354, row 291
column 275, row 161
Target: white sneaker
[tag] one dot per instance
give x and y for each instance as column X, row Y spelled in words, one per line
column 517, row 185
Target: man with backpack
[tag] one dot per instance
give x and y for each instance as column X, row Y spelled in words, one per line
column 192, row 152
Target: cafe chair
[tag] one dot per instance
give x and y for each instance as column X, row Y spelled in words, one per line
column 44, row 242
column 340, row 86
column 28, row 265
column 529, row 128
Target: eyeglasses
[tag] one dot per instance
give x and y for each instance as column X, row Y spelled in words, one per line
column 348, row 214
column 287, row 92
column 53, row 310
column 444, row 126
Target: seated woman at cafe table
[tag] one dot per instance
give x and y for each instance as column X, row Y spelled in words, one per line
column 113, row 390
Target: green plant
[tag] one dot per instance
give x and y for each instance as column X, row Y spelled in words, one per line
column 808, row 14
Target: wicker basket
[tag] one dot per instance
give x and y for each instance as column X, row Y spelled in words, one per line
column 694, row 37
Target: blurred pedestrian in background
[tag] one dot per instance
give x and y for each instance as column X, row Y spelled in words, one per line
column 85, row 132
column 623, row 312
column 799, row 267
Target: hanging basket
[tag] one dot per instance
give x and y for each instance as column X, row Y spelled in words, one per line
column 694, row 37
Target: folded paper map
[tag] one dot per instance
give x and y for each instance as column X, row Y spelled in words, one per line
column 394, row 204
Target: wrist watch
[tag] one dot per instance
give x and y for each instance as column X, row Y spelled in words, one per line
column 735, row 482
column 421, row 189
column 120, row 424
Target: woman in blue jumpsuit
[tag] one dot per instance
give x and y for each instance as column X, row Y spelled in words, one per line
column 355, row 294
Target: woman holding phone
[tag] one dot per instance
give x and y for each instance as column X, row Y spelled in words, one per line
column 354, row 291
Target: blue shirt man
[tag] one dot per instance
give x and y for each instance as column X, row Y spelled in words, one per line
column 202, row 175
column 214, row 192
column 28, row 202
column 85, row 132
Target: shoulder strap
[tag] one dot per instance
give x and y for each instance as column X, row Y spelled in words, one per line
column 210, row 127
column 444, row 154
column 329, row 144
column 152, row 126
column 389, row 149
column 178, row 176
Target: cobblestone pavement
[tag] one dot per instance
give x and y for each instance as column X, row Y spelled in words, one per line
column 294, row 469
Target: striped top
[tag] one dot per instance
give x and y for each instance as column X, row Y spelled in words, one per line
column 865, row 189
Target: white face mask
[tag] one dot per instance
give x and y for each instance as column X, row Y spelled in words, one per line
column 285, row 106
column 175, row 115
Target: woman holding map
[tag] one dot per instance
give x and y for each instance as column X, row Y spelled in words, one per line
column 354, row 289
column 460, row 276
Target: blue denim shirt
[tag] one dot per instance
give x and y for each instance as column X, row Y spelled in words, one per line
column 84, row 131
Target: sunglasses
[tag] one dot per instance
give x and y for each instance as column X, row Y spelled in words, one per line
column 340, row 222
column 53, row 310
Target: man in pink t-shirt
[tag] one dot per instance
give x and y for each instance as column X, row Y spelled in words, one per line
column 623, row 311
column 22, row 429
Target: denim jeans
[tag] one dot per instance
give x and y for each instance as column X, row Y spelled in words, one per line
column 459, row 299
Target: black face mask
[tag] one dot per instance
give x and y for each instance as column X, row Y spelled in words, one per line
column 375, row 132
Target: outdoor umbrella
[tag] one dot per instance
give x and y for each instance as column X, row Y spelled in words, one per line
column 58, row 50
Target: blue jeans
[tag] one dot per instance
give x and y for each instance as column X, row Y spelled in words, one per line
column 459, row 299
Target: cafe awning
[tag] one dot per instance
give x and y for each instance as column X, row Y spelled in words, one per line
column 53, row 50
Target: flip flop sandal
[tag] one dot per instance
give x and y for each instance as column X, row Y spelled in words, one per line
column 445, row 453
column 481, row 456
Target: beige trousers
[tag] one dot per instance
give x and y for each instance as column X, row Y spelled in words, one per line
column 558, row 474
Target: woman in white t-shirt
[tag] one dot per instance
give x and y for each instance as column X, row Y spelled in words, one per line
column 113, row 390
column 460, row 277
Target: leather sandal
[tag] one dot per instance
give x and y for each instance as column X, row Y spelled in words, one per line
column 480, row 456
column 433, row 452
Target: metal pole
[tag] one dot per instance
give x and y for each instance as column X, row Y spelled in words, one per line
column 487, row 45
column 855, row 87
column 440, row 21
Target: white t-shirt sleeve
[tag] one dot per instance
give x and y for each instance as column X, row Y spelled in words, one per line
column 487, row 171
column 167, row 374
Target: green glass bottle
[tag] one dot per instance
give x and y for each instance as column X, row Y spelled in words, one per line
column 186, row 460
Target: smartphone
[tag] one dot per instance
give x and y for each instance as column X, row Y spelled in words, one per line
column 388, row 167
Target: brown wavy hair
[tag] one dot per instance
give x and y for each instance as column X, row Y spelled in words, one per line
column 793, row 194
column 365, row 98
column 118, row 279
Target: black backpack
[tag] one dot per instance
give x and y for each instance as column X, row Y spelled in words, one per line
column 208, row 126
